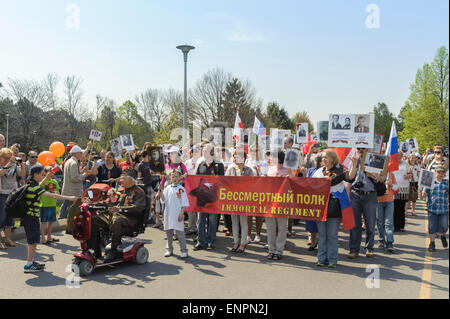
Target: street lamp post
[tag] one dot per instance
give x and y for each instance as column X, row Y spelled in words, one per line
column 185, row 49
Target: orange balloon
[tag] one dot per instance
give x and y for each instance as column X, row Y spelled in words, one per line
column 46, row 158
column 57, row 148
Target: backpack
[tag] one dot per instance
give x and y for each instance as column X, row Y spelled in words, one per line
column 16, row 205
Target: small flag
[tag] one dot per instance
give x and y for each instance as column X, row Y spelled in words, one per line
column 258, row 128
column 238, row 126
column 392, row 150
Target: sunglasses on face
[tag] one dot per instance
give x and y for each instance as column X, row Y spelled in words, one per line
column 33, row 156
column 437, row 152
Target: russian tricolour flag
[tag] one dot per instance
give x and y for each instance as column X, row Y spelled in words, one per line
column 258, row 128
column 392, row 150
column 348, row 218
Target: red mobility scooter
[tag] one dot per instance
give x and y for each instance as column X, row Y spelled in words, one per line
column 131, row 248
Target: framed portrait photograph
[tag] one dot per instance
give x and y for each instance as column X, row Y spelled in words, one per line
column 291, row 159
column 405, row 147
column 127, row 142
column 156, row 159
column 426, row 178
column 374, row 163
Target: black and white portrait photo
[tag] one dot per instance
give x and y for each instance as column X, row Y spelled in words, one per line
column 116, row 148
column 302, row 133
column 341, row 122
column 374, row 163
column 362, row 123
column 378, row 143
column 156, row 159
column 291, row 159
column 322, row 127
column 426, row 178
column 127, row 142
column 405, row 147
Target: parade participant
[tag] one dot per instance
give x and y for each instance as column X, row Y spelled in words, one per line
column 209, row 166
column 173, row 161
column 364, row 203
column 175, row 200
column 385, row 215
column 191, row 163
column 126, row 213
column 328, row 230
column 414, row 183
column 311, row 225
column 437, row 204
column 48, row 208
column 30, row 221
column 109, row 171
column 260, row 168
column 403, row 176
column 277, row 226
column 73, row 184
column 240, row 222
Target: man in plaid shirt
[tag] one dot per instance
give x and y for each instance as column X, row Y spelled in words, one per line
column 437, row 202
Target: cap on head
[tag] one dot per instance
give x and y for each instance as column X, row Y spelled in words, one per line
column 36, row 170
column 173, row 149
column 76, row 149
column 439, row 168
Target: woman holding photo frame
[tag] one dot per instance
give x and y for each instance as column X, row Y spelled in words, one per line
column 403, row 177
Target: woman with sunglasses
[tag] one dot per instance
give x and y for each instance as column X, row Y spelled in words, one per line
column 438, row 159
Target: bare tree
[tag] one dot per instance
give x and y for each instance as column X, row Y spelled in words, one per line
column 151, row 104
column 51, row 98
column 73, row 96
column 31, row 90
column 207, row 95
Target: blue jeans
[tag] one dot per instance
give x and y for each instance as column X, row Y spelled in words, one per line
column 385, row 222
column 207, row 237
column 437, row 224
column 328, row 240
column 363, row 205
column 64, row 207
column 5, row 221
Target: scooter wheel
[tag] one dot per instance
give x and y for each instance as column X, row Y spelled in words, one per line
column 86, row 268
column 141, row 255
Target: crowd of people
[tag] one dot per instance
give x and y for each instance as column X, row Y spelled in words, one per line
column 375, row 213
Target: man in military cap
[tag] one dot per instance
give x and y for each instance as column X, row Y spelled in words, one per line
column 125, row 214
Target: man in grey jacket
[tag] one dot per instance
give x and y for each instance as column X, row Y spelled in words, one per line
column 73, row 184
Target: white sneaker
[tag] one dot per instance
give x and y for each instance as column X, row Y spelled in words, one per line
column 257, row 239
column 168, row 253
column 184, row 254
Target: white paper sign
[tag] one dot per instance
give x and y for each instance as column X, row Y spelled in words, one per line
column 291, row 159
column 364, row 130
column 95, row 135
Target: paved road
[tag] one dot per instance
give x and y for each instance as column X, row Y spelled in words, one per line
column 220, row 274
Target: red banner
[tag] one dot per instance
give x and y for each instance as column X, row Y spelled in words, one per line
column 293, row 197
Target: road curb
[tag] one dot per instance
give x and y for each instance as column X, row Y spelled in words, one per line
column 58, row 226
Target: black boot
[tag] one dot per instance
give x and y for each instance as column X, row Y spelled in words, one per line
column 113, row 253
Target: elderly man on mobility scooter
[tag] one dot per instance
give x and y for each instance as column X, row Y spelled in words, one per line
column 131, row 205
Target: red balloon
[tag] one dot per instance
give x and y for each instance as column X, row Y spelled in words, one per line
column 46, row 158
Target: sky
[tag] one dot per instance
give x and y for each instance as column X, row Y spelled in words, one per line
column 314, row 56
